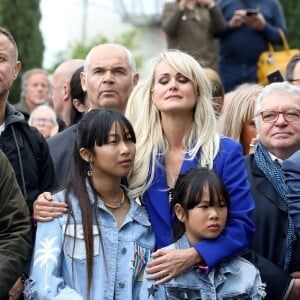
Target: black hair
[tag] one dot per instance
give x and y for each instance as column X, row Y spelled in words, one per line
column 93, row 129
column 188, row 193
column 76, row 93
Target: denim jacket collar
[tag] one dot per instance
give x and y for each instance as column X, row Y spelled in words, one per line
column 136, row 211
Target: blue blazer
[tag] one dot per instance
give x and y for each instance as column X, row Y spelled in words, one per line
column 291, row 171
column 229, row 165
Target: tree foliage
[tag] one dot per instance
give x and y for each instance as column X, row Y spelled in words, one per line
column 22, row 19
column 291, row 10
column 79, row 50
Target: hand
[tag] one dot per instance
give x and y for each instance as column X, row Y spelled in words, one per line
column 181, row 4
column 295, row 292
column 169, row 263
column 296, row 274
column 45, row 209
column 238, row 19
column 257, row 21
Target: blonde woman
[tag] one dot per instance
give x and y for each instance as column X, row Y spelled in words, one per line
column 237, row 121
column 174, row 121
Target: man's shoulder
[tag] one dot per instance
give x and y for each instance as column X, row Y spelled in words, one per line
column 30, row 132
column 64, row 136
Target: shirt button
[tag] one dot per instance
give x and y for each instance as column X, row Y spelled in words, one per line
column 123, row 251
column 121, row 285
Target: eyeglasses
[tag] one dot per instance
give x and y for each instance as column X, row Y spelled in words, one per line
column 41, row 121
column 269, row 116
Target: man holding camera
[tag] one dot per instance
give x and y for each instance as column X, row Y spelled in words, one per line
column 251, row 24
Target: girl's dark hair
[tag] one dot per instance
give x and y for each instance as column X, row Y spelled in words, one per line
column 93, row 129
column 76, row 93
column 188, row 192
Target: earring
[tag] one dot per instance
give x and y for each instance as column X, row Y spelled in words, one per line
column 90, row 172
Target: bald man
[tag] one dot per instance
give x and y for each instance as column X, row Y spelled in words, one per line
column 61, row 91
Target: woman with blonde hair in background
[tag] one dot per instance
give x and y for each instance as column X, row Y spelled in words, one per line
column 237, row 121
column 175, row 125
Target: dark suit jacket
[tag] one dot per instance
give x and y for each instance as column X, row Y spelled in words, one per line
column 61, row 146
column 270, row 217
column 291, row 170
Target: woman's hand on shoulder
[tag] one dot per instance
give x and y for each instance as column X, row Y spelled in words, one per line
column 169, row 263
column 44, row 209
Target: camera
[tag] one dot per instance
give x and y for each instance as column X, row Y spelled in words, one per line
column 251, row 12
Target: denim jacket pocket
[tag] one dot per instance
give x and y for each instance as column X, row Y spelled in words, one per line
column 181, row 293
column 75, row 243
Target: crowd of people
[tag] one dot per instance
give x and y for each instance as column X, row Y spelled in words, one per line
column 114, row 186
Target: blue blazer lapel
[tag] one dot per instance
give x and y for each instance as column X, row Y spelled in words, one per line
column 158, row 190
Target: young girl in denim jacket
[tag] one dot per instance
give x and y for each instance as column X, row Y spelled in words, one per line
column 99, row 249
column 201, row 203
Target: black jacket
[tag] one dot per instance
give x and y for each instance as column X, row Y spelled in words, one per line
column 61, row 149
column 270, row 218
column 28, row 153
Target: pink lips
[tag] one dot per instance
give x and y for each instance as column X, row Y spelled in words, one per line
column 126, row 163
column 214, row 227
column 173, row 96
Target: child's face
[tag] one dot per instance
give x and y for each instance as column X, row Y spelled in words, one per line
column 204, row 221
column 114, row 159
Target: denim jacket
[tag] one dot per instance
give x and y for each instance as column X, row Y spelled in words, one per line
column 120, row 255
column 231, row 279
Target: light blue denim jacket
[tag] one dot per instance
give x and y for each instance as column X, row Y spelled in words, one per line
column 235, row 278
column 120, row 255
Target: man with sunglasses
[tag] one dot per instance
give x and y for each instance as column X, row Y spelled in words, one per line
column 277, row 120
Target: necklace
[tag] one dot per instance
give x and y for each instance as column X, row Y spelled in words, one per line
column 115, row 205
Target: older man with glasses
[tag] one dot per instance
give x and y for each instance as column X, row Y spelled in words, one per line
column 277, row 120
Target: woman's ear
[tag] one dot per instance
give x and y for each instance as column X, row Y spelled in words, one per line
column 78, row 106
column 179, row 211
column 85, row 154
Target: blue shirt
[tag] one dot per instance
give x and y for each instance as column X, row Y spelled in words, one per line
column 120, row 255
column 244, row 44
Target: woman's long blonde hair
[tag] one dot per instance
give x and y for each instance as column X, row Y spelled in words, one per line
column 239, row 110
column 146, row 120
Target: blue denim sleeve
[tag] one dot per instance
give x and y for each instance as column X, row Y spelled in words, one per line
column 45, row 281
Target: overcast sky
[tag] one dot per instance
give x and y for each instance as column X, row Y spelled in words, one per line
column 62, row 21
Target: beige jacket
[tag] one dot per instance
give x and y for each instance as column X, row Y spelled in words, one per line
column 192, row 31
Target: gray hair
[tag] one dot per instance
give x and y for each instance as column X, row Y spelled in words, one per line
column 27, row 74
column 284, row 87
column 43, row 107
